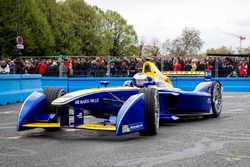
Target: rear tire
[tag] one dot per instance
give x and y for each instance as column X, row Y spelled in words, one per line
column 51, row 94
column 216, row 99
column 151, row 111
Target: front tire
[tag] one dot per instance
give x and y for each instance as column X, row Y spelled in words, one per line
column 216, row 99
column 151, row 111
column 51, row 94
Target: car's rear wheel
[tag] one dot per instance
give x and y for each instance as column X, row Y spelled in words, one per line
column 151, row 111
column 216, row 99
column 51, row 94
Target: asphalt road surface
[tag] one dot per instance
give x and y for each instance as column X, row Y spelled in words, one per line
column 223, row 141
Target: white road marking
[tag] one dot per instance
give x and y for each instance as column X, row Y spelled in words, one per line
column 8, row 127
column 228, row 97
column 238, row 96
column 238, row 109
column 226, row 119
column 234, row 111
column 71, row 130
column 9, row 112
column 7, row 124
column 17, row 152
column 15, row 137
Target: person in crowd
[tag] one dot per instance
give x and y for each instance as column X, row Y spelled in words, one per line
column 193, row 66
column 233, row 73
column 70, row 69
column 12, row 66
column 118, row 64
column 88, row 63
column 98, row 63
column 124, row 69
column 181, row 62
column 168, row 64
column 19, row 66
column 176, row 65
column 209, row 66
column 30, row 68
column 93, row 68
column 67, row 64
column 201, row 65
column 42, row 67
column 76, row 67
column 138, row 66
column 113, row 69
column 103, row 69
column 83, row 68
column 131, row 67
column 54, row 69
column 4, row 68
column 242, row 69
column 49, row 71
column 188, row 66
column 62, row 69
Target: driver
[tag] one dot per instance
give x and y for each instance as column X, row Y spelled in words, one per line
column 140, row 80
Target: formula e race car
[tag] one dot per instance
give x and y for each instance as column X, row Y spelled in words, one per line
column 137, row 106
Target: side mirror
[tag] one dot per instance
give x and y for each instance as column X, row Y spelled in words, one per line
column 104, row 83
column 128, row 83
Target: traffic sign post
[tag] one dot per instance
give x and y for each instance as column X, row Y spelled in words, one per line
column 20, row 46
column 19, row 41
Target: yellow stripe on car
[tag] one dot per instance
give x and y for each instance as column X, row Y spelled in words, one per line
column 97, row 127
column 42, row 125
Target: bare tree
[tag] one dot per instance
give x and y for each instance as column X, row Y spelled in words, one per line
column 156, row 47
column 142, row 43
column 189, row 43
column 166, row 47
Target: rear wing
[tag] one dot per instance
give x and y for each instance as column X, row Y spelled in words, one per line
column 207, row 74
column 184, row 73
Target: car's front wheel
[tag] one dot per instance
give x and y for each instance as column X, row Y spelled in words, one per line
column 151, row 111
column 51, row 94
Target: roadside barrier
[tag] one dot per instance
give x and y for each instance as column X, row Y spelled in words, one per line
column 16, row 88
column 235, row 84
column 184, row 83
column 55, row 81
column 30, row 83
column 229, row 84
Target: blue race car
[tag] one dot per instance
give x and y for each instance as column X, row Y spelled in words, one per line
column 137, row 106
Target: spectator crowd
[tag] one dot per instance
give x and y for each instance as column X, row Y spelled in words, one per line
column 122, row 67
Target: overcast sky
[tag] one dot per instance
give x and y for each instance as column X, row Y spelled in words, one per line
column 165, row 19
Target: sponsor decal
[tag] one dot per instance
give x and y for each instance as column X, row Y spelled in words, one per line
column 125, row 129
column 86, row 101
column 209, row 101
column 80, row 115
column 132, row 127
